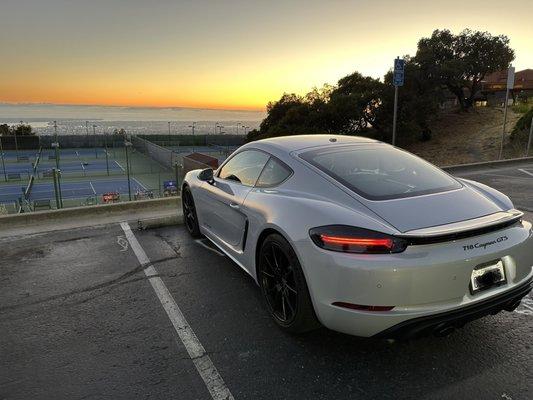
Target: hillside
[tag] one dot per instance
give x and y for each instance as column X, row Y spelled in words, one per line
column 460, row 138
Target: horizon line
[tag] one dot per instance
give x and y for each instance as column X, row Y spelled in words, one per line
column 252, row 109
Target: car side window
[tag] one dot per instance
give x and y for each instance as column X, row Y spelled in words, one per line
column 244, row 167
column 273, row 174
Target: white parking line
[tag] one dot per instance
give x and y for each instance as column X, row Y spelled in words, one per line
column 526, row 306
column 525, row 172
column 205, row 367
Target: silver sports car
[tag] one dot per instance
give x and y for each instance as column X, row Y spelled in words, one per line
column 361, row 237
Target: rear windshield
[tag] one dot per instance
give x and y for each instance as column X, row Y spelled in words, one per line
column 380, row 172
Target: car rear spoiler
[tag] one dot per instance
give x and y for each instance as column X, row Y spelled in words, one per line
column 463, row 229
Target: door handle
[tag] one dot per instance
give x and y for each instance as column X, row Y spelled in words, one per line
column 234, row 205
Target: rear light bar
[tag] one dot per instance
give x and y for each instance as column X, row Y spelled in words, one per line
column 349, row 239
column 361, row 307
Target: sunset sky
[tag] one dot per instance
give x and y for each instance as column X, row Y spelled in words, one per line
column 234, row 54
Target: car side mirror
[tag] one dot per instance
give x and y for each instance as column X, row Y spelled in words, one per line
column 206, row 175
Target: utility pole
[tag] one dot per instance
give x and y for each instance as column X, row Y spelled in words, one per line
column 510, row 85
column 87, row 128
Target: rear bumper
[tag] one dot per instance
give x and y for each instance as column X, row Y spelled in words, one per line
column 443, row 323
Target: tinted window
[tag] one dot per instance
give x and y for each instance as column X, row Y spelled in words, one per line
column 244, row 167
column 381, row 172
column 273, row 174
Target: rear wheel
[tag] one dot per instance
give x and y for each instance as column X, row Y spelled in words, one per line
column 284, row 287
column 190, row 217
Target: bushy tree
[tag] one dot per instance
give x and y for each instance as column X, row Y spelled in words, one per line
column 19, row 130
column 460, row 62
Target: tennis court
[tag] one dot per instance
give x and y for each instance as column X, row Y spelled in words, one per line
column 70, row 190
column 65, row 167
column 13, row 155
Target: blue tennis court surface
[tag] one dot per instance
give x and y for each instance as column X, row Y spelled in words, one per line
column 65, row 167
column 11, row 155
column 70, row 190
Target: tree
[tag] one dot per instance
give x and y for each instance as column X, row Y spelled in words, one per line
column 354, row 104
column 4, row 130
column 418, row 102
column 460, row 62
column 19, row 130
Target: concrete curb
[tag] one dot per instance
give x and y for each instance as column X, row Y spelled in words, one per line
column 96, row 211
column 159, row 222
column 487, row 164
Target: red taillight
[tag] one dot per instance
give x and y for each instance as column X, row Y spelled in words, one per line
column 349, row 239
column 362, row 307
column 357, row 241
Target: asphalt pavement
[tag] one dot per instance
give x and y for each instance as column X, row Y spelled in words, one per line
column 80, row 319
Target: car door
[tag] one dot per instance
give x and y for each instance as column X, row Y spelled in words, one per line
column 224, row 217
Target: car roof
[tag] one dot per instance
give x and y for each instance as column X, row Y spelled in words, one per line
column 299, row 142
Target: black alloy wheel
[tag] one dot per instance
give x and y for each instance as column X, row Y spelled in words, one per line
column 190, row 217
column 283, row 286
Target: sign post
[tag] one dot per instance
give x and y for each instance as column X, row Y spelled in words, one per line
column 530, row 136
column 510, row 85
column 397, row 80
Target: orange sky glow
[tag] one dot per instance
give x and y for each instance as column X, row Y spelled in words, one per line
column 212, row 54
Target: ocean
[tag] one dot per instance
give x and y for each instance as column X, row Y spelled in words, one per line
column 74, row 119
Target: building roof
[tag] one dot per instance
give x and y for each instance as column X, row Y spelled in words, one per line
column 523, row 80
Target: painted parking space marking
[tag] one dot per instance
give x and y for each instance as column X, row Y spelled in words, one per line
column 526, row 306
column 201, row 360
column 123, row 243
column 525, row 171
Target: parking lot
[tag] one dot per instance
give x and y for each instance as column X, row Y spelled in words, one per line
column 109, row 312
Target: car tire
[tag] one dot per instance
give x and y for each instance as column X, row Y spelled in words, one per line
column 190, row 218
column 283, row 286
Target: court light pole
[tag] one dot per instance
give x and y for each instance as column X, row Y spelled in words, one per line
column 94, row 134
column 56, row 190
column 106, row 155
column 55, row 145
column 3, row 162
column 193, row 126
column 126, row 145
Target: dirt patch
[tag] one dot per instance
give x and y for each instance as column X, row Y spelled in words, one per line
column 460, row 138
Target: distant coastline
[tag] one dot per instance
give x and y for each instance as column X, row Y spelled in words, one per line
column 71, row 119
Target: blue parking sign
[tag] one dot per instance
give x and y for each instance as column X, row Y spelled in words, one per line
column 399, row 72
